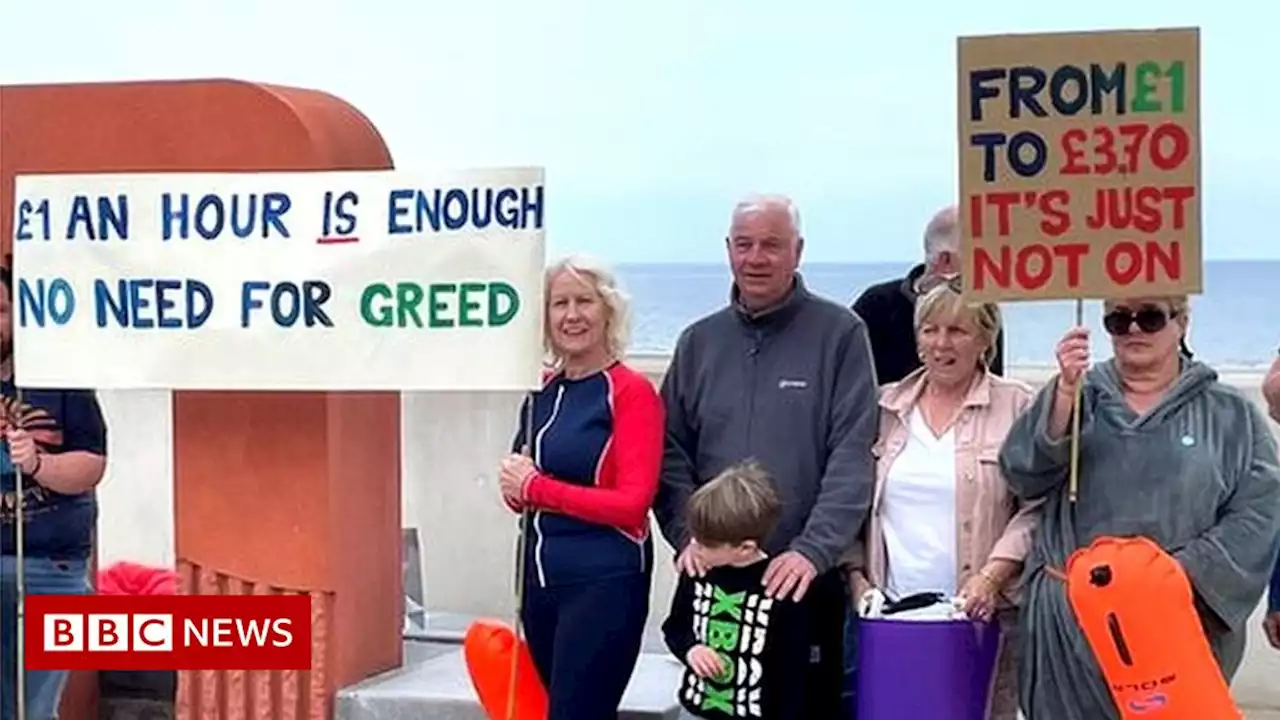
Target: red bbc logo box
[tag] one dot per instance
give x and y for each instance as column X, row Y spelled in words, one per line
column 176, row 632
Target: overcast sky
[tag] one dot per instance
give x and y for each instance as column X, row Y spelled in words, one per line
column 652, row 117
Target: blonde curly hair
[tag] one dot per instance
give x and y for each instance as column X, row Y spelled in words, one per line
column 600, row 278
column 944, row 299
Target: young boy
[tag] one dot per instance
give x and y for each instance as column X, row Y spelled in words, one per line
column 745, row 654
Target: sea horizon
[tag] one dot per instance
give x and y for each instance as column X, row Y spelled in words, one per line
column 1231, row 327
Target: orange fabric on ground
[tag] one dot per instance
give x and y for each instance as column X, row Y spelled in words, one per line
column 488, row 648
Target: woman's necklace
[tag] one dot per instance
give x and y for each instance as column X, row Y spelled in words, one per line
column 940, row 413
column 592, row 369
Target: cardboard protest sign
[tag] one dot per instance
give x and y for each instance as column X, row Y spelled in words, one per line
column 280, row 281
column 1080, row 164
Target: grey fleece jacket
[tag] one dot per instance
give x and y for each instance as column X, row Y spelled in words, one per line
column 795, row 390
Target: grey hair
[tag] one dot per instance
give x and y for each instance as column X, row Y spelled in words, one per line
column 600, row 278
column 759, row 203
column 942, row 234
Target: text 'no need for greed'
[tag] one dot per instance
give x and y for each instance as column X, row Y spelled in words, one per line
column 172, row 303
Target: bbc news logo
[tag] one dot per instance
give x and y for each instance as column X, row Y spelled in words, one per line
column 176, row 632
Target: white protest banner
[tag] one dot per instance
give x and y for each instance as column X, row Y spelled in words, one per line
column 280, row 281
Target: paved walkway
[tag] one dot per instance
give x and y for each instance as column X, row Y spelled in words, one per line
column 1257, row 684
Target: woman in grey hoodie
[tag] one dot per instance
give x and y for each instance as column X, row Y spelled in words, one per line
column 1166, row 452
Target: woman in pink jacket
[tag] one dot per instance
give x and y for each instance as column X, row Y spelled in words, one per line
column 942, row 519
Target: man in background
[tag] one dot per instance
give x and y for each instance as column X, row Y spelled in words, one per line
column 786, row 378
column 57, row 440
column 888, row 308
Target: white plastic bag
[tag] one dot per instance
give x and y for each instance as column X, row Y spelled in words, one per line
column 874, row 604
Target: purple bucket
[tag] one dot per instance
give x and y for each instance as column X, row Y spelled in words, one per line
column 916, row 669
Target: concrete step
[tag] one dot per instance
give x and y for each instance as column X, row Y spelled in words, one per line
column 435, row 686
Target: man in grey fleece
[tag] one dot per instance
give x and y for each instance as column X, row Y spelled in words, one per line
column 787, row 378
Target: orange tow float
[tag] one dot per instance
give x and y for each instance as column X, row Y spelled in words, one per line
column 1134, row 603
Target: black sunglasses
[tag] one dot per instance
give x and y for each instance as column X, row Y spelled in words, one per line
column 1149, row 320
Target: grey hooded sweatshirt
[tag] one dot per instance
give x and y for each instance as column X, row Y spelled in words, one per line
column 793, row 388
column 1197, row 474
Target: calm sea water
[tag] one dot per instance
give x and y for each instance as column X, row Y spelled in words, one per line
column 1233, row 323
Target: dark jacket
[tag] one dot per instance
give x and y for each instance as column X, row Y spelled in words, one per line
column 888, row 309
column 596, row 442
column 721, row 610
column 793, row 388
column 57, row 526
column 1273, row 597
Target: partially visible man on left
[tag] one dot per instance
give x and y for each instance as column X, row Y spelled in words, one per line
column 57, row 439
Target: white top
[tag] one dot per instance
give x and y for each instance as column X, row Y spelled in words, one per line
column 918, row 509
